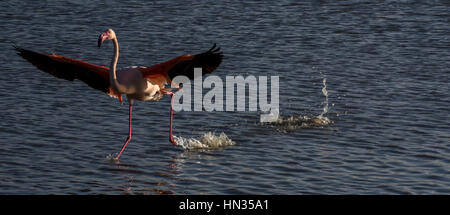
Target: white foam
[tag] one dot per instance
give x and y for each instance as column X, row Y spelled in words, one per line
column 208, row 140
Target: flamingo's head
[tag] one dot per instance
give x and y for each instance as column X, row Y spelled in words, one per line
column 107, row 35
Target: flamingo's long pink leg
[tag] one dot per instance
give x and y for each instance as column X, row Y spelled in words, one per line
column 171, row 117
column 129, row 133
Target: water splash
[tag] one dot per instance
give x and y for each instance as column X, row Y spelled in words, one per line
column 325, row 93
column 296, row 122
column 208, row 140
column 112, row 158
column 291, row 123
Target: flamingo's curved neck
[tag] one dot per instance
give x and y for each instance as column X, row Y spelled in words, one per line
column 114, row 60
column 112, row 71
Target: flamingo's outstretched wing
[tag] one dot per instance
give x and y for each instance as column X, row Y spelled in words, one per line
column 208, row 61
column 184, row 65
column 70, row 69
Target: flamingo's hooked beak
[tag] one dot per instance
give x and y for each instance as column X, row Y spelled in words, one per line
column 102, row 38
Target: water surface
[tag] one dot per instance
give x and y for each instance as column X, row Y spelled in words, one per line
column 386, row 66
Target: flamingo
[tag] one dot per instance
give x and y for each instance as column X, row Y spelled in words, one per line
column 137, row 82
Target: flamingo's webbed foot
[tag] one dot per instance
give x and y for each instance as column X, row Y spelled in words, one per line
column 173, row 141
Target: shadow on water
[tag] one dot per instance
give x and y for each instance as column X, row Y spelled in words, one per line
column 135, row 179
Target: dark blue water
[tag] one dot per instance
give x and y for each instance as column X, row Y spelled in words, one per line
column 386, row 66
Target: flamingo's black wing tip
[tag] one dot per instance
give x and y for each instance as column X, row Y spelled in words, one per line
column 215, row 50
column 16, row 47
